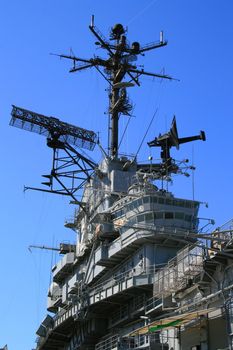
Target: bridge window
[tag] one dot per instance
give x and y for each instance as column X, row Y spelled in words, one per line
column 133, row 221
column 139, row 202
column 118, row 213
column 161, row 200
column 158, row 215
column 169, row 201
column 180, row 203
column 141, row 218
column 169, row 215
column 149, row 217
column 179, row 216
column 146, row 200
column 130, row 206
column 188, row 218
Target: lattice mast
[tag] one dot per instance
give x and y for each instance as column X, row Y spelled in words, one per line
column 70, row 168
column 119, row 71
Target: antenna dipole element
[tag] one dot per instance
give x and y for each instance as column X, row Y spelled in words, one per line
column 116, row 68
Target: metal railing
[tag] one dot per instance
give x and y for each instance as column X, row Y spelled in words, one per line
column 121, row 277
column 123, row 343
column 108, row 344
column 152, row 303
column 227, row 226
column 179, row 271
column 136, row 304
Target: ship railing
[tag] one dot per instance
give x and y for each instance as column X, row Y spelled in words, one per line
column 71, row 220
column 136, row 304
column 228, row 226
column 118, row 278
column 66, row 312
column 152, row 303
column 179, row 271
column 60, row 313
column 128, row 156
column 136, row 342
column 123, row 343
column 119, row 315
column 108, row 344
column 157, row 340
column 142, row 230
column 191, row 303
column 224, row 238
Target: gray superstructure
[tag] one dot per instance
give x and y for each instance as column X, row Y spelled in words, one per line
column 141, row 275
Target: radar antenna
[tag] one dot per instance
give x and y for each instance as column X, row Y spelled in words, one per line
column 115, row 69
column 70, row 168
column 169, row 140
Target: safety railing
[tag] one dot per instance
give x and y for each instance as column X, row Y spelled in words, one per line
column 115, row 279
column 179, row 271
column 108, row 344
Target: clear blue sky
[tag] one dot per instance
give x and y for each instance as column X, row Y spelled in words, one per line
column 199, row 53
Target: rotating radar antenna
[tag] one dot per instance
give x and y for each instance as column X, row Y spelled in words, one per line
column 70, row 168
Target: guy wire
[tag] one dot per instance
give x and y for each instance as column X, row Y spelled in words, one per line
column 126, row 127
column 147, row 130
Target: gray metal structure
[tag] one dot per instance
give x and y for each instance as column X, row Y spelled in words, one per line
column 141, row 275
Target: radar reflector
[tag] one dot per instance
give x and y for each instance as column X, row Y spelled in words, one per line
column 53, row 128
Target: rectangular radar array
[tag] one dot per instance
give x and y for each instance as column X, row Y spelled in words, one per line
column 50, row 127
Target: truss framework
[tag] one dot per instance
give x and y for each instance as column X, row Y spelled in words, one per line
column 70, row 168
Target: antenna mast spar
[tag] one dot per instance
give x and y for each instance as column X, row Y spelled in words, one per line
column 119, row 72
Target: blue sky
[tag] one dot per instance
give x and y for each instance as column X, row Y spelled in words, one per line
column 199, row 53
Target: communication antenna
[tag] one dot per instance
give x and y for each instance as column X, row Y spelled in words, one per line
column 70, row 168
column 119, row 69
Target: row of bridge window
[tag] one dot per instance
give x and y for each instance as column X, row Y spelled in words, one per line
column 155, row 199
column 152, row 216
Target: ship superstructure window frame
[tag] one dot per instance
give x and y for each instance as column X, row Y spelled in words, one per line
column 179, row 215
column 159, row 215
column 152, row 217
column 149, row 216
column 159, row 200
column 146, row 200
column 168, row 215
